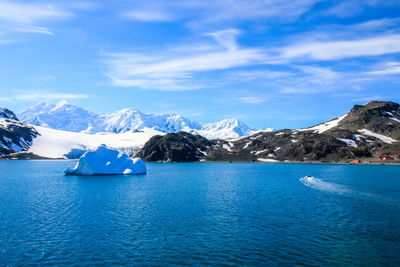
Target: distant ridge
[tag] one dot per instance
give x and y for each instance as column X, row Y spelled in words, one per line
column 366, row 130
column 68, row 117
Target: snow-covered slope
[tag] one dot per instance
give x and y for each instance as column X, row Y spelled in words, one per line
column 56, row 143
column 15, row 136
column 323, row 127
column 224, row 129
column 67, row 117
column 130, row 119
column 61, row 116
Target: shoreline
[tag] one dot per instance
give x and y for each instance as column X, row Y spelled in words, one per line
column 387, row 162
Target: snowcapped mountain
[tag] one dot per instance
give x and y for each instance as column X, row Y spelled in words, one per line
column 61, row 116
column 68, row 117
column 15, row 136
column 131, row 119
column 7, row 114
column 228, row 128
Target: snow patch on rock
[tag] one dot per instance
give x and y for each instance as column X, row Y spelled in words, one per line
column 383, row 138
column 323, row 127
column 349, row 142
column 261, row 151
column 267, row 160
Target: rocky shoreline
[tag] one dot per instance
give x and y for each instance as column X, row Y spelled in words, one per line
column 368, row 134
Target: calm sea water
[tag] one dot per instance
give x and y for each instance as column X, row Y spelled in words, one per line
column 200, row 213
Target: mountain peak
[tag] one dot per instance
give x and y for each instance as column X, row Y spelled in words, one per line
column 129, row 110
column 7, row 114
column 383, row 105
column 68, row 117
column 61, row 103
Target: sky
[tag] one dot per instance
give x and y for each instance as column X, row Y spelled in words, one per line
column 272, row 63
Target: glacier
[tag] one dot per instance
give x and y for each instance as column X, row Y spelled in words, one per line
column 106, row 161
column 53, row 143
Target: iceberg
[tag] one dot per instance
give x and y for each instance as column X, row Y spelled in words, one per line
column 106, row 161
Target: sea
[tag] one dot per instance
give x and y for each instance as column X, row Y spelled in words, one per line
column 217, row 214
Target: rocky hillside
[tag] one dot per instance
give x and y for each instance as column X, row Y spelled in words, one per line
column 15, row 136
column 378, row 117
column 175, row 147
column 372, row 129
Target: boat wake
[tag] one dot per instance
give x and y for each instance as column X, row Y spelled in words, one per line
column 318, row 184
column 339, row 189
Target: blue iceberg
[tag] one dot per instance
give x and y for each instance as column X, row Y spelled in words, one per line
column 106, row 161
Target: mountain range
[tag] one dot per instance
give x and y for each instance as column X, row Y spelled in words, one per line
column 366, row 130
column 72, row 118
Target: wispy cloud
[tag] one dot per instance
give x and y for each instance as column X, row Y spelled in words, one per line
column 25, row 17
column 377, row 24
column 390, row 68
column 367, row 99
column 349, row 8
column 207, row 13
column 262, row 74
column 172, row 70
column 148, row 16
column 253, row 100
column 334, row 50
column 43, row 96
column 296, row 64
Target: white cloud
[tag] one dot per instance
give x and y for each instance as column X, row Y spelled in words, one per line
column 349, row 8
column 226, row 38
column 316, row 79
column 263, row 74
column 148, row 16
column 390, row 68
column 172, row 70
column 28, row 96
column 25, row 17
column 333, row 50
column 345, row 9
column 320, row 73
column 253, row 100
column 208, row 12
column 29, row 13
column 377, row 24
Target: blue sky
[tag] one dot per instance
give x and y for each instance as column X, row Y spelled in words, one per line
column 274, row 63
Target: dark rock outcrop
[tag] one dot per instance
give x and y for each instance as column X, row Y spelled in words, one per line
column 342, row 140
column 382, row 117
column 372, row 129
column 175, row 147
column 15, row 136
column 7, row 114
column 22, row 155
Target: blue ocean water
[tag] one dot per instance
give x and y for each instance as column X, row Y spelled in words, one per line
column 201, row 214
